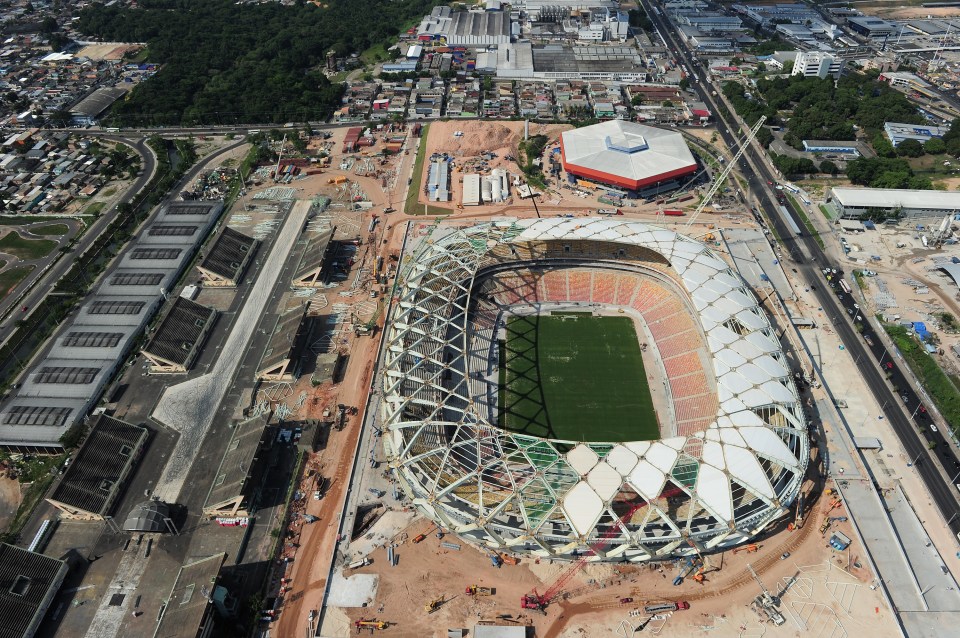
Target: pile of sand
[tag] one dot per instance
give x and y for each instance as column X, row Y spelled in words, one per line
column 478, row 138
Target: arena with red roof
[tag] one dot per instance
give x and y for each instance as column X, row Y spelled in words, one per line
column 626, row 155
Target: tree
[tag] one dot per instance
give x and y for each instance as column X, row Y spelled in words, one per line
column 636, row 100
column 882, row 146
column 764, row 136
column 826, row 166
column 934, row 146
column 684, row 83
column 910, row 148
column 788, row 67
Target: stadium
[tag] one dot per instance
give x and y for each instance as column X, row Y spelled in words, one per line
column 626, row 155
column 557, row 388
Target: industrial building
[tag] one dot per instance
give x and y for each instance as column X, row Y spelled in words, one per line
column 68, row 379
column 486, row 189
column 854, row 148
column 465, row 28
column 871, row 27
column 523, row 60
column 897, row 132
column 241, row 467
column 281, row 359
column 626, row 155
column 30, row 584
column 195, row 595
column 179, row 337
column 313, row 264
column 91, row 485
column 815, row 64
column 438, row 181
column 227, row 258
column 856, row 203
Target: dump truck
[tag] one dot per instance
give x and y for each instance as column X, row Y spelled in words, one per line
column 474, row 590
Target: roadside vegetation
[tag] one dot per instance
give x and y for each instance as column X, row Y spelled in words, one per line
column 10, row 278
column 934, row 380
column 802, row 214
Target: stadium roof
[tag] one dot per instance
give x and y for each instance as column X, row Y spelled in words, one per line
column 626, row 154
column 28, row 584
column 95, row 478
column 178, row 335
column 742, row 469
column 897, row 198
column 189, row 602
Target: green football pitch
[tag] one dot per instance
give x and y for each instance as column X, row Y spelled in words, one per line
column 575, row 377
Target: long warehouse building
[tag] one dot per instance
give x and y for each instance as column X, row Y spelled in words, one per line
column 67, row 381
column 864, row 203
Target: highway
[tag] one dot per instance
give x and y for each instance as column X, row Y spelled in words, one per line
column 936, row 466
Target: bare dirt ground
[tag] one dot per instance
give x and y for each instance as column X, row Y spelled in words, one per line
column 428, row 571
column 10, row 497
column 501, row 138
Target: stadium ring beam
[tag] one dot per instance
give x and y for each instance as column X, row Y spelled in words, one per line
column 626, row 501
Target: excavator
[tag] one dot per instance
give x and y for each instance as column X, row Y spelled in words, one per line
column 434, row 605
column 747, row 548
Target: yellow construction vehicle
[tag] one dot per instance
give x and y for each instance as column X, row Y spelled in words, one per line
column 474, row 590
column 434, row 605
column 372, row 624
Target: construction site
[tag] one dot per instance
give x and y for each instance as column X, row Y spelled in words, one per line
column 373, row 564
column 421, row 582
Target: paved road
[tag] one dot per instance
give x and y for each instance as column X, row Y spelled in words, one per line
column 931, row 466
column 44, row 281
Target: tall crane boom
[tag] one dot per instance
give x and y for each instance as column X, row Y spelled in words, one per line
column 726, row 170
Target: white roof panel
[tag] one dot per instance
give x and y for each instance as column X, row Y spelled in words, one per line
column 582, row 507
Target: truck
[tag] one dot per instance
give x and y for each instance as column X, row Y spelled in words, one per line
column 673, row 212
column 610, row 211
column 660, row 608
column 791, row 222
column 357, row 564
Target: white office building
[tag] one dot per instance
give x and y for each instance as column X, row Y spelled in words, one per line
column 812, row 64
column 856, row 203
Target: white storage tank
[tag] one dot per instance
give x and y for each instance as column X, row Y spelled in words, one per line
column 495, row 190
column 485, row 192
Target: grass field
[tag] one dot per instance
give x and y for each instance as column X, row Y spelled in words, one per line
column 16, row 245
column 10, row 278
column 575, row 377
column 54, row 230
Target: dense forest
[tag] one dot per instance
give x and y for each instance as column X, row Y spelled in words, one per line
column 824, row 110
column 229, row 63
